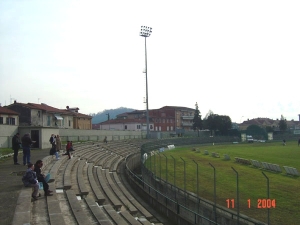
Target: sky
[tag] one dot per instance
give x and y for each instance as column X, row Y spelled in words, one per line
column 235, row 58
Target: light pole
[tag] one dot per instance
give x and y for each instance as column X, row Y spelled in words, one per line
column 146, row 32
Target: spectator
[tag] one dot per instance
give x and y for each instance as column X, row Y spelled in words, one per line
column 16, row 146
column 30, row 180
column 105, row 140
column 58, row 143
column 41, row 177
column 26, row 143
column 71, row 146
column 53, row 150
column 68, row 148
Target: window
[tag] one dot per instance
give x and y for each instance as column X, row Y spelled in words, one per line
column 10, row 121
column 125, row 127
column 138, row 127
column 163, row 120
column 39, row 114
column 69, row 123
column 1, row 120
column 48, row 120
column 167, row 128
column 159, row 128
column 171, row 127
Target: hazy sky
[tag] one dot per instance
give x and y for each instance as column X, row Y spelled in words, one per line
column 236, row 58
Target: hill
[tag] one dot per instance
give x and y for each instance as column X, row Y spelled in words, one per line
column 102, row 116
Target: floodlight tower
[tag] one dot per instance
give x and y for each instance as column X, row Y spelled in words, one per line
column 146, row 32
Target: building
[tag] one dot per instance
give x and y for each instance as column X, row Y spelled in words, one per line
column 43, row 115
column 8, row 116
column 80, row 121
column 266, row 122
column 167, row 118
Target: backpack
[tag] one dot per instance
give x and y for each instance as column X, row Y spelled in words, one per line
column 51, row 140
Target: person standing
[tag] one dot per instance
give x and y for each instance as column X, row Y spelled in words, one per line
column 41, row 177
column 58, row 143
column 53, row 150
column 26, row 143
column 54, row 144
column 16, row 146
column 30, row 180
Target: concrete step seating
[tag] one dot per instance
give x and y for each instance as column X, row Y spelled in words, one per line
column 215, row 155
column 226, row 157
column 80, row 179
column 242, row 161
column 291, row 171
column 109, row 162
column 133, row 201
column 103, row 198
column 116, row 203
column 114, row 165
column 255, row 163
column 115, row 188
column 100, row 198
column 272, row 167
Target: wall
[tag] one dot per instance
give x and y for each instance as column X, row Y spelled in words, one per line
column 44, row 134
column 95, row 135
column 5, row 116
column 6, row 134
column 82, row 123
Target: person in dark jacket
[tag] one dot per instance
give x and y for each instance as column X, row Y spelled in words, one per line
column 41, row 177
column 26, row 143
column 30, row 180
column 68, row 148
column 16, row 146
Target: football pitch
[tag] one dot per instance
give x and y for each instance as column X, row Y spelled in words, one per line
column 284, row 190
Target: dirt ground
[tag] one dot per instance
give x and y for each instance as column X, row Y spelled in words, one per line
column 11, row 184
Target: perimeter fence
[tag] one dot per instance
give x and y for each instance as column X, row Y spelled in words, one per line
column 188, row 204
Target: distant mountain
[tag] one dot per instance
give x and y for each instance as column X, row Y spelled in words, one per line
column 102, row 116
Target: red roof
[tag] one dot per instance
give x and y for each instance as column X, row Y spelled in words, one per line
column 116, row 121
column 45, row 107
column 4, row 110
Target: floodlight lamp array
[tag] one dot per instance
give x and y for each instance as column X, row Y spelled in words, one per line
column 145, row 31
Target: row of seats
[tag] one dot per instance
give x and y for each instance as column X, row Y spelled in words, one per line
column 89, row 189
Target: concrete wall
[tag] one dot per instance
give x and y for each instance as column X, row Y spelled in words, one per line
column 43, row 134
column 6, row 134
column 98, row 135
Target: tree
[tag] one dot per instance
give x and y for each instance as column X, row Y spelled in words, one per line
column 269, row 129
column 210, row 122
column 223, row 124
column 257, row 132
column 215, row 122
column 197, row 121
column 282, row 124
